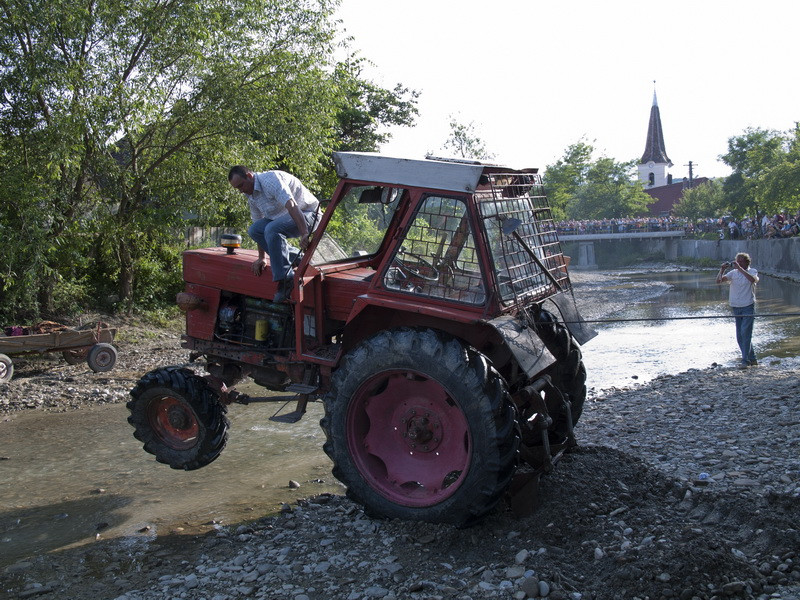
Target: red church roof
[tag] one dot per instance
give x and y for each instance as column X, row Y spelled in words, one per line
column 667, row 196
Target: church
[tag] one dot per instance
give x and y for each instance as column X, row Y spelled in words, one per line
column 654, row 169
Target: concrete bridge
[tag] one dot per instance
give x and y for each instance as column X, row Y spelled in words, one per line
column 581, row 246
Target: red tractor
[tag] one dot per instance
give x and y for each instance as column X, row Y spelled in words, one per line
column 433, row 314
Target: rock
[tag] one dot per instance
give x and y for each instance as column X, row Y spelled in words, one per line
column 544, row 589
column 530, row 586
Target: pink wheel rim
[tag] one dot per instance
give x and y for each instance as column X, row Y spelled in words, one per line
column 408, row 438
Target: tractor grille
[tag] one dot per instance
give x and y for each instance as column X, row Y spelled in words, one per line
column 522, row 237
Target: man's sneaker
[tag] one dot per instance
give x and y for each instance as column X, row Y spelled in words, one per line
column 742, row 365
column 284, row 290
column 753, row 363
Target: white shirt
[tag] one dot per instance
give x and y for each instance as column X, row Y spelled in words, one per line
column 741, row 292
column 273, row 189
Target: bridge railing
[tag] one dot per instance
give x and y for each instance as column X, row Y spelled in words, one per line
column 618, row 228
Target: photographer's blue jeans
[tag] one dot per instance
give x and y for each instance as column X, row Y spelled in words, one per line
column 744, row 331
column 271, row 234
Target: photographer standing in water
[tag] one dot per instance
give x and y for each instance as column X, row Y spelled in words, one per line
column 742, row 298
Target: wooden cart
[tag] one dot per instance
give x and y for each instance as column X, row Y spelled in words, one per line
column 92, row 345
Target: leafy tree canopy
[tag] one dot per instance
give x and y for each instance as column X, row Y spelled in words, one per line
column 465, row 142
column 119, row 121
column 766, row 172
column 582, row 188
column 705, row 200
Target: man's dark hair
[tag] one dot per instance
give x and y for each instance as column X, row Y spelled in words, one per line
column 239, row 170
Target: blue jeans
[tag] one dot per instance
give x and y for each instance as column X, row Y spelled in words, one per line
column 271, row 234
column 744, row 331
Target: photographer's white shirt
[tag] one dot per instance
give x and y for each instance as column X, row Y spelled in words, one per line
column 741, row 292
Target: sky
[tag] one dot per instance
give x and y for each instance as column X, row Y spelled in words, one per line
column 535, row 76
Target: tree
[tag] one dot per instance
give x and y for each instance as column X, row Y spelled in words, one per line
column 564, row 178
column 363, row 111
column 465, row 142
column 705, row 200
column 752, row 156
column 780, row 184
column 581, row 188
column 120, row 119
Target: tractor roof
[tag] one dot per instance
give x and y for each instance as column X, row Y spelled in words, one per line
column 437, row 173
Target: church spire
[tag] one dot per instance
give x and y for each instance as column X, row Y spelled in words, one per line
column 654, row 150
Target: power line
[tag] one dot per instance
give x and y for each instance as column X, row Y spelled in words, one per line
column 682, row 318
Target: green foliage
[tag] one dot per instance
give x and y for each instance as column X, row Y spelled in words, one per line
column 705, row 200
column 465, row 142
column 766, row 172
column 581, row 188
column 702, row 263
column 119, row 121
column 780, row 184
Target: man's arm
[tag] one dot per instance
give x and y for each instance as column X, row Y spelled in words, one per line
column 744, row 272
column 261, row 262
column 721, row 274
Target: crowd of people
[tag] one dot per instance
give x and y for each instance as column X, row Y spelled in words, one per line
column 780, row 225
column 621, row 225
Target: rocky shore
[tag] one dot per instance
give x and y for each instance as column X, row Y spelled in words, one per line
column 686, row 487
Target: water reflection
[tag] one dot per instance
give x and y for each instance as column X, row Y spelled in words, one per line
column 635, row 352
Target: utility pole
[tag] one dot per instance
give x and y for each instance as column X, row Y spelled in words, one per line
column 691, row 174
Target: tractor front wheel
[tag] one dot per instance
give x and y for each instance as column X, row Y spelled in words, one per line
column 420, row 426
column 178, row 418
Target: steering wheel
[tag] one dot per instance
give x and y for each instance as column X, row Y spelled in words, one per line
column 412, row 270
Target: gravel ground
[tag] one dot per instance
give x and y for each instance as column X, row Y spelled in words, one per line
column 687, row 487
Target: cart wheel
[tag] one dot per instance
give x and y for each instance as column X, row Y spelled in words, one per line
column 75, row 357
column 6, row 368
column 102, row 357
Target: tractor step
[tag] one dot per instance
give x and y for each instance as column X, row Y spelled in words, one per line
column 298, row 412
column 302, row 388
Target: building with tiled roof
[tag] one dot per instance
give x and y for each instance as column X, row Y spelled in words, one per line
column 665, row 197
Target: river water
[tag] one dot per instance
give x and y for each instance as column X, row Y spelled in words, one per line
column 78, row 475
column 641, row 342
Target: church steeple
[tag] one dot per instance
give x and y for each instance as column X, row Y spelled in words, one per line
column 654, row 150
column 655, row 162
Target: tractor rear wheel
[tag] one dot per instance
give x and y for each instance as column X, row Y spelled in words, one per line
column 568, row 374
column 178, row 418
column 420, row 426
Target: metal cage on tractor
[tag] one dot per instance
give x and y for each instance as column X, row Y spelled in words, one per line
column 432, row 313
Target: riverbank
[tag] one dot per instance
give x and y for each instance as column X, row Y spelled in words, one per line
column 688, row 487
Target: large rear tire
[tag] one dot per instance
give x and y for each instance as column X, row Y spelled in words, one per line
column 178, row 418
column 568, row 374
column 420, row 426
